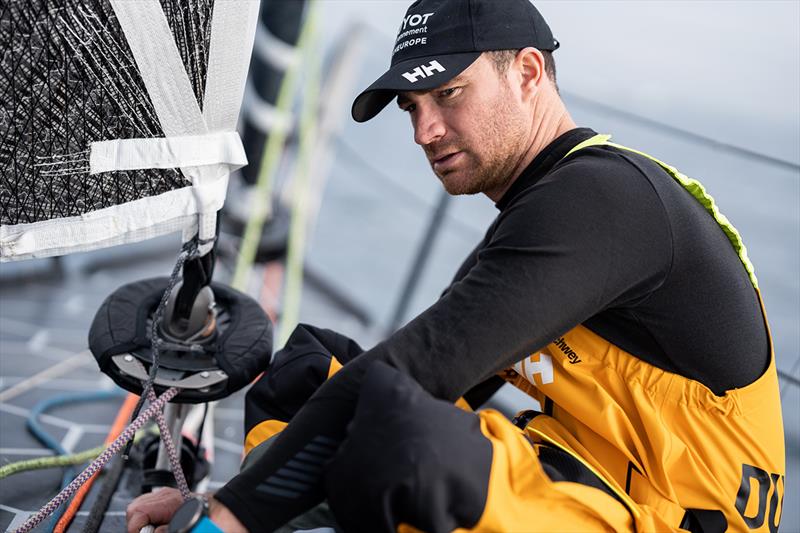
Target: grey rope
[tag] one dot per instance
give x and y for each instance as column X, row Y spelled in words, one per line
column 188, row 251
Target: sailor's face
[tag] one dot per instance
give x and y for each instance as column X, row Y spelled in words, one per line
column 471, row 128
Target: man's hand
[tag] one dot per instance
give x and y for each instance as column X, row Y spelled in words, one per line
column 154, row 508
column 157, row 508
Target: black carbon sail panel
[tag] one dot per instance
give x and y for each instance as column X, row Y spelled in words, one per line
column 68, row 78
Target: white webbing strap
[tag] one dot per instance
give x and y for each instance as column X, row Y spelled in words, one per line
column 158, row 59
column 125, row 223
column 159, row 62
column 168, row 152
column 232, row 31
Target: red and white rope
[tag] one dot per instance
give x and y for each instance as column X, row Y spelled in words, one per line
column 172, row 453
column 154, row 409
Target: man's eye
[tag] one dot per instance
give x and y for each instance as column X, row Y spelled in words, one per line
column 409, row 108
column 447, row 93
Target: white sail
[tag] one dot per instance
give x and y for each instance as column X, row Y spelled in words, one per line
column 117, row 119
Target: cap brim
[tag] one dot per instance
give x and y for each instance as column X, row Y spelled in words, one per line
column 375, row 97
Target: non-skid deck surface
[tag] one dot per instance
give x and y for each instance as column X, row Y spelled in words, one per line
column 46, row 307
column 44, row 323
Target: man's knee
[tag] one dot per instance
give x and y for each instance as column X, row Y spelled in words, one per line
column 309, row 358
column 408, row 458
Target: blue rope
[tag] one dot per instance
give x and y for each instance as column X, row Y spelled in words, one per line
column 38, row 431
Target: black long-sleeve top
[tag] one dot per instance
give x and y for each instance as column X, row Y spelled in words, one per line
column 603, row 238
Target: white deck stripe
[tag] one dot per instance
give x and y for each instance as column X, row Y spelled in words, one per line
column 37, row 452
column 71, row 439
column 52, row 420
column 18, row 521
column 77, row 360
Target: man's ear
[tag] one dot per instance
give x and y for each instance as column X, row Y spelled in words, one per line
column 529, row 63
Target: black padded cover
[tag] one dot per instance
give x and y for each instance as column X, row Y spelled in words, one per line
column 242, row 349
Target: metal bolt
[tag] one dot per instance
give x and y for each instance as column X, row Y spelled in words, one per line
column 221, row 373
column 204, row 374
column 128, row 358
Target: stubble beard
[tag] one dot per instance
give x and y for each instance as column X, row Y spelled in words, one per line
column 500, row 144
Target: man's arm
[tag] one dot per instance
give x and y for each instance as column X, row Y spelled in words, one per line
column 557, row 257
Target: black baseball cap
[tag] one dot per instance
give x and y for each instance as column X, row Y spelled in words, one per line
column 438, row 39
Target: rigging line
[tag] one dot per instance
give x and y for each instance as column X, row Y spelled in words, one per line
column 38, row 431
column 298, row 227
column 44, row 462
column 680, row 132
column 188, row 252
column 260, row 202
column 57, row 461
column 148, row 413
column 104, row 495
column 116, row 428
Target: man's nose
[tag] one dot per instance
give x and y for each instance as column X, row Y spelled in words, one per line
column 428, row 126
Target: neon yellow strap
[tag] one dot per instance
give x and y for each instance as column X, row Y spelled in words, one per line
column 594, row 141
column 696, row 189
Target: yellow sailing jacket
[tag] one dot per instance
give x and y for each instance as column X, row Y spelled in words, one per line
column 663, row 442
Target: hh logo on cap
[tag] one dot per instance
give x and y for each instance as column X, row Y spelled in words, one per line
column 423, row 71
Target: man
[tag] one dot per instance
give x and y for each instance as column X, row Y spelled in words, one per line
column 609, row 287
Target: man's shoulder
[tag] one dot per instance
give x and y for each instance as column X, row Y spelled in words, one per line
column 604, row 163
column 599, row 177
